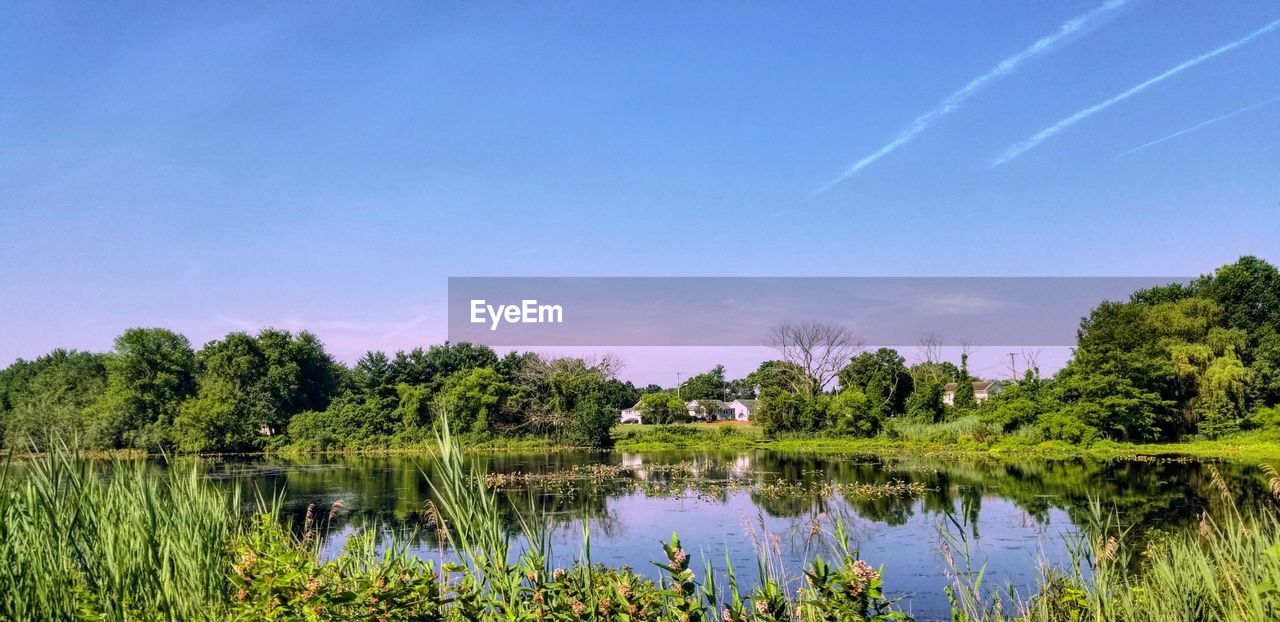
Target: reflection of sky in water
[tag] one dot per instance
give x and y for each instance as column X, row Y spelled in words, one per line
column 1012, row 513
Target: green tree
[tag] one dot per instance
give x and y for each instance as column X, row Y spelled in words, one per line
column 234, row 404
column 48, row 400
column 300, row 375
column 925, row 403
column 783, row 411
column 964, row 397
column 883, row 379
column 435, row 365
column 780, row 375
column 590, row 422
column 709, row 385
column 619, row 394
column 852, row 412
column 478, row 401
column 149, row 375
column 662, row 407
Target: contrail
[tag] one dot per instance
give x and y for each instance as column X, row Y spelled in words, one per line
column 1050, row 131
column 953, row 101
column 1199, row 125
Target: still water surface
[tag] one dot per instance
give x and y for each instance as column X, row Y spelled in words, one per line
column 1011, row 513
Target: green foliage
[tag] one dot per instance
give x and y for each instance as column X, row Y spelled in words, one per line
column 883, row 378
column 50, row 399
column 780, row 411
column 663, row 407
column 964, row 398
column 1020, row 404
column 478, row 401
column 76, row 544
column 590, row 422
column 618, row 394
column 925, row 403
column 1169, row 362
column 852, row 413
column 710, row 385
column 149, row 375
column 349, row 422
column 1226, row 570
column 778, row 375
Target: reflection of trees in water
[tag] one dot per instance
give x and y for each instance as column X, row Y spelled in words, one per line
column 393, row 490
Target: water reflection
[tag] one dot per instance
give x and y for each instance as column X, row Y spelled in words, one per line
column 1012, row 511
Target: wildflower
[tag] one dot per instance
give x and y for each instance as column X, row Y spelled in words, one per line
column 625, row 590
column 864, row 573
column 578, row 608
column 557, row 574
column 762, row 607
column 726, row 616
column 241, row 594
column 313, row 586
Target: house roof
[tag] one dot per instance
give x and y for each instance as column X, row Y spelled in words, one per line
column 717, row 404
column 978, row 385
column 750, row 404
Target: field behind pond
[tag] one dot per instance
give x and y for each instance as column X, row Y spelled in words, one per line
column 963, row 436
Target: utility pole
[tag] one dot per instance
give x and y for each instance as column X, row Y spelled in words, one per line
column 1013, row 369
column 678, row 386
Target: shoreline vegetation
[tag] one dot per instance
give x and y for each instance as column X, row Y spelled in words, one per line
column 147, row 545
column 934, row 442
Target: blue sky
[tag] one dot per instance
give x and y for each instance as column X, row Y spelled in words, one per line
column 223, row 166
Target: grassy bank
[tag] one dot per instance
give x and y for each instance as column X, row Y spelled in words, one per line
column 76, row 544
column 961, row 437
column 138, row 545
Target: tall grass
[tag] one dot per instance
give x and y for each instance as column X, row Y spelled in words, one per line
column 1227, row 569
column 91, row 541
column 121, row 544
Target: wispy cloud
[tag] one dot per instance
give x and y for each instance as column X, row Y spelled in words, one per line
column 1199, row 125
column 1049, row 132
column 953, row 101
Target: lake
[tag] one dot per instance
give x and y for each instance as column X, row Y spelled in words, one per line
column 1011, row 513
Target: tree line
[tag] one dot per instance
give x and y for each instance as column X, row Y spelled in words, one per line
column 277, row 389
column 1196, row 360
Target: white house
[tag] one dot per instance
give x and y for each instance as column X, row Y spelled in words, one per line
column 982, row 389
column 709, row 410
column 742, row 409
column 716, row 410
column 632, row 415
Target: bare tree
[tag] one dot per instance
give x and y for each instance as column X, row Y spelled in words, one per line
column 1031, row 361
column 816, row 349
column 930, row 347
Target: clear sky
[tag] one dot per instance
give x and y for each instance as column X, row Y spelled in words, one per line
column 221, row 166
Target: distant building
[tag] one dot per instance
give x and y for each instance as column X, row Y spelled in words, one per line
column 742, row 409
column 709, row 410
column 632, row 415
column 716, row 410
column 982, row 389
column 701, row 410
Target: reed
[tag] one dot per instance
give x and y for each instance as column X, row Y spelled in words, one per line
column 81, row 540
column 120, row 543
column 1226, row 570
